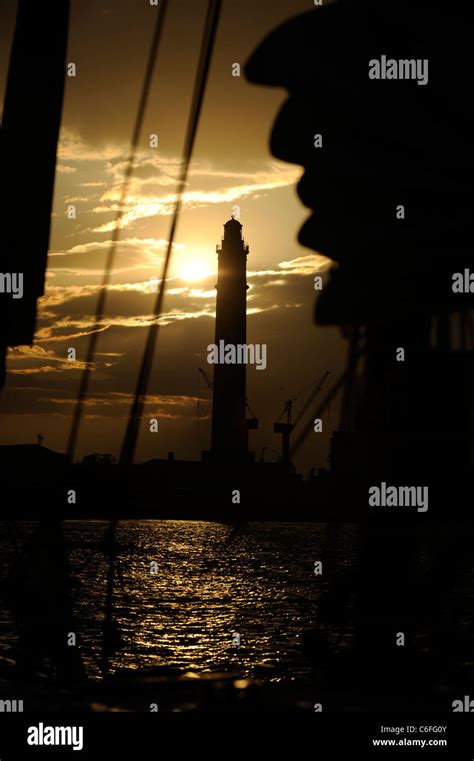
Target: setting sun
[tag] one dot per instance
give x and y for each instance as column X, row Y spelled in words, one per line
column 193, row 269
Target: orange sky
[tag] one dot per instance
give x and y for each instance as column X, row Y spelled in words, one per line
column 232, row 165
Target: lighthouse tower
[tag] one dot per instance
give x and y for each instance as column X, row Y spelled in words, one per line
column 229, row 438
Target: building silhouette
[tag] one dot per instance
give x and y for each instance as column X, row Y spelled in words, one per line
column 229, row 437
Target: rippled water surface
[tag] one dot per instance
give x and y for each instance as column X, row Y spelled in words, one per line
column 261, row 585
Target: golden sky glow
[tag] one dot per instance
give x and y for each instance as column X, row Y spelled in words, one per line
column 232, row 166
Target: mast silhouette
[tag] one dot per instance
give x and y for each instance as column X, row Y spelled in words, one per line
column 39, row 588
column 30, row 127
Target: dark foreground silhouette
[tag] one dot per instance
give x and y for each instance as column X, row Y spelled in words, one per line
column 388, row 181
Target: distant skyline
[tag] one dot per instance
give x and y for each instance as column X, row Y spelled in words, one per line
column 232, row 166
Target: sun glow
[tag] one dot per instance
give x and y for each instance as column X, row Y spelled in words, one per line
column 192, row 269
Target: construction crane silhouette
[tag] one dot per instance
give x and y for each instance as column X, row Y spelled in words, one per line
column 285, row 423
column 252, row 423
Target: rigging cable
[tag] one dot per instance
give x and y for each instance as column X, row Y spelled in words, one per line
column 131, row 434
column 129, row 442
column 85, row 378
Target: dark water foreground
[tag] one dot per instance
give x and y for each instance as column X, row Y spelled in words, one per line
column 184, row 611
column 203, row 598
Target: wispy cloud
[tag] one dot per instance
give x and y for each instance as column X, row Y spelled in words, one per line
column 146, row 245
column 166, row 406
column 308, row 264
column 208, row 185
column 50, row 362
column 73, row 148
column 139, row 207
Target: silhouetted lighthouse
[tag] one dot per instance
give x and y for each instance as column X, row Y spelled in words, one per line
column 229, row 426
